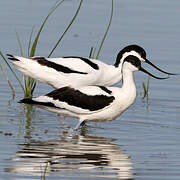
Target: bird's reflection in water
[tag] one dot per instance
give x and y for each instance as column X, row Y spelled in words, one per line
column 78, row 157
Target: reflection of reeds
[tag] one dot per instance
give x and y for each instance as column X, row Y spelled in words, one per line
column 43, row 176
column 29, row 83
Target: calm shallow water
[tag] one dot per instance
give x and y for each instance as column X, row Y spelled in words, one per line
column 141, row 144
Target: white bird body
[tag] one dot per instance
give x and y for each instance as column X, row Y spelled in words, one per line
column 77, row 71
column 105, row 75
column 108, row 113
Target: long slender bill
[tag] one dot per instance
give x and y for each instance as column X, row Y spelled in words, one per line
column 143, row 70
column 150, row 63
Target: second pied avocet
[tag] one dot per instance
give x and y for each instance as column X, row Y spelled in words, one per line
column 89, row 103
column 78, row 71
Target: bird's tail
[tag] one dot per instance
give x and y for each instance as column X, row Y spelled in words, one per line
column 28, row 101
column 12, row 57
column 34, row 102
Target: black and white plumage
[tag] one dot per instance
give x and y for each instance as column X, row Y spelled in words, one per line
column 89, row 103
column 77, row 71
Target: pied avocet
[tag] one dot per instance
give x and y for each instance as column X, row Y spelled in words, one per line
column 78, row 71
column 89, row 103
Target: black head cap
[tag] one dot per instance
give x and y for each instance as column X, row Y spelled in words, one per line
column 130, row 48
column 133, row 60
column 142, row 53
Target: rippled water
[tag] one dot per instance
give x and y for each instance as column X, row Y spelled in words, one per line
column 81, row 156
column 143, row 143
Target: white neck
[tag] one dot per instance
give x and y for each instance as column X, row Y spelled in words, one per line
column 129, row 86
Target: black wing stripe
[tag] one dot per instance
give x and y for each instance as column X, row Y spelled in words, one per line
column 30, row 101
column 58, row 67
column 105, row 89
column 76, row 98
column 88, row 61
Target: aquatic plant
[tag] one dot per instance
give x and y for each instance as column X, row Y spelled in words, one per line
column 146, row 89
column 92, row 49
column 6, row 76
column 29, row 83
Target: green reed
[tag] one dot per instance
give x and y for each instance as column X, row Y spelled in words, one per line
column 92, row 49
column 6, row 76
column 29, row 83
column 71, row 22
column 146, row 88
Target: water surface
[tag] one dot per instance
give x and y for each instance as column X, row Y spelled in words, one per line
column 143, row 143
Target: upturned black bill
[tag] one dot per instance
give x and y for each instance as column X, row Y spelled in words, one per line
column 143, row 70
column 150, row 63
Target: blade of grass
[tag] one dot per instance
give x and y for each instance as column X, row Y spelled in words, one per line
column 91, row 52
column 30, row 40
column 29, row 82
column 19, row 43
column 146, row 88
column 26, row 82
column 109, row 24
column 33, row 49
column 33, row 82
column 11, row 87
column 33, row 86
column 30, row 85
column 73, row 19
column 12, row 70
